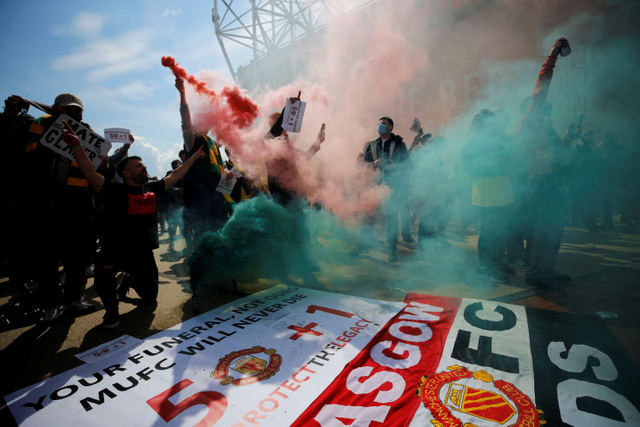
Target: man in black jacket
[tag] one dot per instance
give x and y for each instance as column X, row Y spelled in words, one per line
column 389, row 154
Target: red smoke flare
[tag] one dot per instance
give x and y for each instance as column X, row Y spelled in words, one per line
column 231, row 111
column 200, row 87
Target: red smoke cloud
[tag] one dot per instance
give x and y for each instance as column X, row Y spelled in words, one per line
column 229, row 112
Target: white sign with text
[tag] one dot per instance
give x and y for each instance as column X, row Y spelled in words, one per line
column 225, row 186
column 93, row 143
column 293, row 114
column 107, row 349
column 119, row 135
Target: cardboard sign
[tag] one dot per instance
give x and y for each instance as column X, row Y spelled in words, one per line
column 107, row 349
column 119, row 135
column 416, row 126
column 265, row 357
column 293, row 114
column 236, row 172
column 93, row 143
column 226, row 185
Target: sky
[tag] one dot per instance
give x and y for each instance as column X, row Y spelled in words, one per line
column 108, row 54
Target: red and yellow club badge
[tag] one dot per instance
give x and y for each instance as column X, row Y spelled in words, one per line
column 249, row 367
column 475, row 396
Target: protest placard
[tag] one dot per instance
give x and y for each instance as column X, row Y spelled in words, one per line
column 119, row 135
column 293, row 114
column 416, row 126
column 93, row 143
column 226, row 185
column 235, row 172
column 108, row 349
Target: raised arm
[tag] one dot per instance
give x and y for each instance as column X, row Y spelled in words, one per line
column 188, row 134
column 528, row 128
column 115, row 158
column 180, row 172
column 317, row 144
column 71, row 139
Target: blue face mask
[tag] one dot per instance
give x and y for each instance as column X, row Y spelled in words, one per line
column 382, row 129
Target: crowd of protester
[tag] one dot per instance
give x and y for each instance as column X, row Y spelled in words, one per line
column 515, row 187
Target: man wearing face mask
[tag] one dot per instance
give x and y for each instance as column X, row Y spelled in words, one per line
column 389, row 154
column 54, row 190
column 545, row 151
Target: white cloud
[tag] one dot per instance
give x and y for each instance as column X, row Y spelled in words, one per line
column 107, row 57
column 137, row 91
column 171, row 11
column 163, row 159
column 88, row 24
column 85, row 24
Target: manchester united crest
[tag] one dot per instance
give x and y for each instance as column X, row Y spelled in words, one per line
column 461, row 398
column 247, row 366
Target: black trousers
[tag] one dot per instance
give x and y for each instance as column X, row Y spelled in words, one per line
column 141, row 267
column 493, row 235
column 47, row 240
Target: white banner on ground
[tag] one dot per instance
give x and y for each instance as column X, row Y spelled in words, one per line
column 293, row 114
column 107, row 349
column 120, row 135
column 93, row 143
column 261, row 360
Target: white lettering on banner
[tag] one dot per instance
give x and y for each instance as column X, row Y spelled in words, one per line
column 412, row 353
column 409, row 355
column 362, row 416
column 425, row 331
column 570, row 390
column 92, row 143
column 418, row 311
column 378, row 379
column 487, row 331
column 577, row 358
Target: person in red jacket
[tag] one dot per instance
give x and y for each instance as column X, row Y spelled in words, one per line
column 545, row 150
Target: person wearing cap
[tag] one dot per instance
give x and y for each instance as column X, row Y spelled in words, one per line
column 54, row 189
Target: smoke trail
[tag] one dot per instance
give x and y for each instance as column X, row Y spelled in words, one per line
column 230, row 112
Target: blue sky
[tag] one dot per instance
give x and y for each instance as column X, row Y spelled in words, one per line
column 108, row 53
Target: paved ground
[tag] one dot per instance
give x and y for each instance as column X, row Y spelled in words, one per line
column 605, row 267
